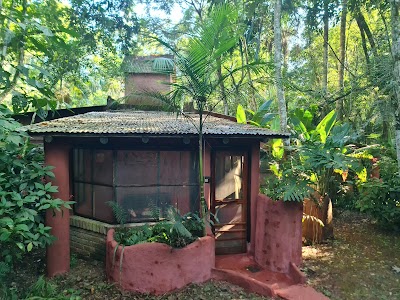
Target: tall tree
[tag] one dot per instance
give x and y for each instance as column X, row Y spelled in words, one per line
column 342, row 58
column 326, row 48
column 395, row 17
column 278, row 65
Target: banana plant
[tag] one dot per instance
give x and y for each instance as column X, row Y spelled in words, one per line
column 260, row 118
column 325, row 149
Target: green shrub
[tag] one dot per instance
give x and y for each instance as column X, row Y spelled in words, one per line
column 381, row 197
column 24, row 194
column 176, row 231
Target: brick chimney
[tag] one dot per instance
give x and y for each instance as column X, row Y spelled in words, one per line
column 146, row 74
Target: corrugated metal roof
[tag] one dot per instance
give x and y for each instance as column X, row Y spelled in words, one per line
column 146, row 122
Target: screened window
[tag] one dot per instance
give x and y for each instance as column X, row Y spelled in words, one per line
column 145, row 183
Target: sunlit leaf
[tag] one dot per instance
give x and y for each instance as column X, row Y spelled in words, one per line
column 241, row 115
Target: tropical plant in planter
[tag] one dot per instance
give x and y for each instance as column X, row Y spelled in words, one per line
column 175, row 230
column 149, row 256
column 321, row 154
column 310, row 167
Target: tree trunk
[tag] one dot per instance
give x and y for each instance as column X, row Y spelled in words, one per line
column 363, row 42
column 203, row 204
column 222, row 86
column 253, row 102
column 316, row 210
column 342, row 54
column 361, row 20
column 278, row 65
column 365, row 34
column 326, row 40
column 395, row 16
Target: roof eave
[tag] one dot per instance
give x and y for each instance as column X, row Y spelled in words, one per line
column 160, row 135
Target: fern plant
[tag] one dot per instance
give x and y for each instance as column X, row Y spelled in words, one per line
column 120, row 213
column 175, row 230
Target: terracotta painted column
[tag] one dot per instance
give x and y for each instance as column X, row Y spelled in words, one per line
column 58, row 253
column 207, row 172
column 254, row 191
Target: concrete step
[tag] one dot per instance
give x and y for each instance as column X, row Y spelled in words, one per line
column 242, row 270
column 300, row 292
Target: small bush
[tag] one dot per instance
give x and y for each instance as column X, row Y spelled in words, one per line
column 24, row 194
column 381, row 197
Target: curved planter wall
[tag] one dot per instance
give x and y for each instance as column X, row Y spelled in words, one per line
column 158, row 268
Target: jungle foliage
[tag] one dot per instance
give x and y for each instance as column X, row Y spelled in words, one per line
column 25, row 195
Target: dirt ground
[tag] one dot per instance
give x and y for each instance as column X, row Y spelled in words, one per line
column 86, row 280
column 362, row 262
column 89, row 279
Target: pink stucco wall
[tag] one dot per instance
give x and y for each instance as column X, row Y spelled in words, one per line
column 144, row 83
column 278, row 237
column 58, row 253
column 158, row 268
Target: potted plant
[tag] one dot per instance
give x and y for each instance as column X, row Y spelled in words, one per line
column 316, row 158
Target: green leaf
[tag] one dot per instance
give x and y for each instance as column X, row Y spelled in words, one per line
column 29, row 247
column 46, row 31
column 42, row 71
column 22, row 227
column 6, row 221
column 41, row 193
column 45, row 206
column 39, row 84
column 14, row 139
column 39, row 45
column 277, row 148
column 241, row 115
column 39, row 186
column 20, row 246
column 52, row 189
column 5, row 235
column 23, row 186
column 299, row 126
column 267, row 118
column 261, row 112
column 325, row 126
column 69, row 31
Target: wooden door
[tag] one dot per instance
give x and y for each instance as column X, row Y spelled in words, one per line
column 229, row 201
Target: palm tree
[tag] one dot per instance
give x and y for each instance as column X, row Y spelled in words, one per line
column 198, row 70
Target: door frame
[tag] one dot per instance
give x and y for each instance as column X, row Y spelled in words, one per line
column 246, row 201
